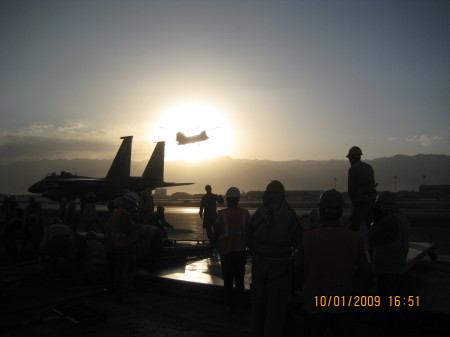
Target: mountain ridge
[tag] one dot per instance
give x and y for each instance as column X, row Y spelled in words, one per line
column 247, row 174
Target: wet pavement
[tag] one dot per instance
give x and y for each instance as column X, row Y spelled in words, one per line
column 186, row 300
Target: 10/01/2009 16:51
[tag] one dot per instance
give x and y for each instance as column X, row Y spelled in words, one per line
column 366, row 301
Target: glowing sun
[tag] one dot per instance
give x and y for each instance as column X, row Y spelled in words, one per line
column 192, row 120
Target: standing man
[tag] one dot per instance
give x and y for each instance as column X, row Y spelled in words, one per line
column 146, row 206
column 273, row 236
column 63, row 201
column 332, row 262
column 124, row 237
column 160, row 220
column 88, row 216
column 232, row 224
column 361, row 189
column 208, row 210
column 389, row 237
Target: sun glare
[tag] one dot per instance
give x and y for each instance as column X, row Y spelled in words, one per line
column 192, row 119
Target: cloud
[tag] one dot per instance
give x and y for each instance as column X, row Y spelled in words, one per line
column 98, row 132
column 424, row 140
column 391, row 139
column 48, row 129
column 69, row 126
column 25, row 147
column 33, row 129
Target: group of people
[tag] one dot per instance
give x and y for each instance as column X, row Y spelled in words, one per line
column 94, row 249
column 33, row 233
column 327, row 261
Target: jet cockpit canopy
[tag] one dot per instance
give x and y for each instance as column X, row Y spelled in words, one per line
column 59, row 174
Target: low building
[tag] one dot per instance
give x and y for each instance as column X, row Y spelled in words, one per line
column 161, row 192
column 434, row 191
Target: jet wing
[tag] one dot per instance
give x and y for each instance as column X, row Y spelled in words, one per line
column 166, row 184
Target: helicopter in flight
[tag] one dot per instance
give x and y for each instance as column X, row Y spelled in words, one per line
column 182, row 139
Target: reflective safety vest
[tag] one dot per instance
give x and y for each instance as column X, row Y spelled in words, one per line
column 361, row 183
column 271, row 236
column 392, row 256
column 330, row 254
column 118, row 238
column 232, row 223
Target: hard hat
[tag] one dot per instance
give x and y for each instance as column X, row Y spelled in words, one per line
column 331, row 200
column 233, row 192
column 275, row 186
column 386, row 198
column 133, row 197
column 354, row 151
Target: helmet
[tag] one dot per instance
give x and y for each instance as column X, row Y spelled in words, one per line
column 354, row 151
column 332, row 201
column 275, row 186
column 233, row 192
column 386, row 198
column 133, row 197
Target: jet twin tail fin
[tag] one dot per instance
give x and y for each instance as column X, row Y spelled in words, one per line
column 154, row 171
column 120, row 168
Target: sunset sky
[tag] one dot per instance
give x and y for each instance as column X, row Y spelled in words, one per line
column 279, row 80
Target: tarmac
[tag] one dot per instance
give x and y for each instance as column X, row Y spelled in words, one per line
column 163, row 306
column 186, row 299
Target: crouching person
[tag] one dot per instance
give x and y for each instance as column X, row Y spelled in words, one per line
column 93, row 259
column 58, row 242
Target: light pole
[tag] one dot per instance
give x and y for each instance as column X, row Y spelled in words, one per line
column 335, row 182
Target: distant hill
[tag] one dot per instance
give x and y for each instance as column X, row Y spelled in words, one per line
column 224, row 172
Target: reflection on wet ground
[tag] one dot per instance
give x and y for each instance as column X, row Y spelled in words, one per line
column 188, row 225
column 206, row 271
